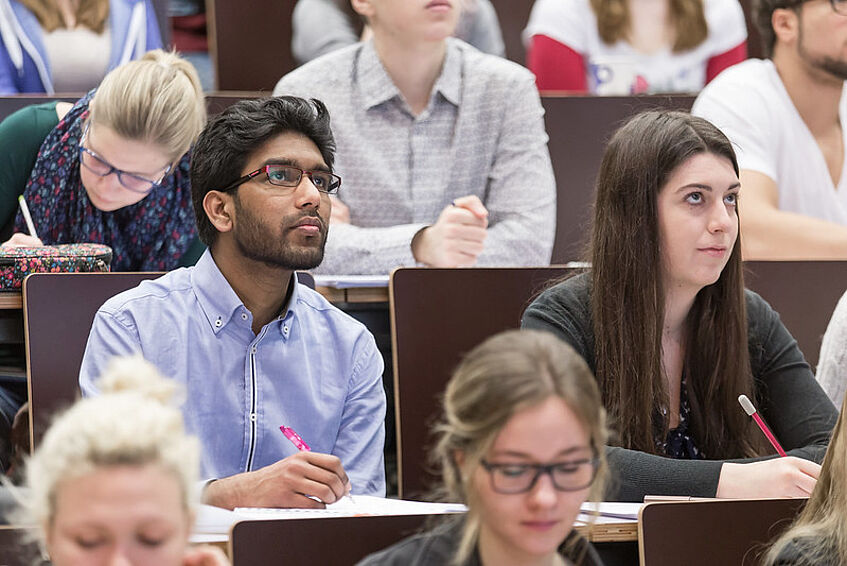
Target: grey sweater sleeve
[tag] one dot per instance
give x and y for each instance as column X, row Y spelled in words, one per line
column 791, row 401
column 336, row 30
column 480, row 27
column 795, row 407
column 832, row 363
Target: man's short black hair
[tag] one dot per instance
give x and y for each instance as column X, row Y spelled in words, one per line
column 762, row 15
column 228, row 140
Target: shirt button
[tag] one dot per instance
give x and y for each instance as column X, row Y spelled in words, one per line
column 244, row 316
column 285, row 329
column 252, row 417
column 253, row 350
column 218, row 323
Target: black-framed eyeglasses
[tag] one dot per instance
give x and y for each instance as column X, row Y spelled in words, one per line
column 102, row 168
column 572, row 475
column 290, row 177
column 838, row 6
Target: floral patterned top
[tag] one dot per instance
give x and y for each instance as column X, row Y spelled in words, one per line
column 150, row 235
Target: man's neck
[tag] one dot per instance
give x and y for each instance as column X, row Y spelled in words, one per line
column 264, row 290
column 815, row 93
column 413, row 68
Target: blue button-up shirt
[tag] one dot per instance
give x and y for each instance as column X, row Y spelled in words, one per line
column 313, row 368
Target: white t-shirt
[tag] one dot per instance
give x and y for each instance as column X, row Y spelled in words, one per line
column 574, row 24
column 749, row 103
column 79, row 57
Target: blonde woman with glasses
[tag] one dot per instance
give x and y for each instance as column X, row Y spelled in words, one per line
column 521, row 443
column 111, row 168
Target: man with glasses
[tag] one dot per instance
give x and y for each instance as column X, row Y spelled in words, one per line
column 786, row 117
column 255, row 350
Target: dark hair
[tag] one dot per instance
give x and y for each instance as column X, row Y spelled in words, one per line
column 228, row 140
column 627, row 300
column 357, row 22
column 762, row 16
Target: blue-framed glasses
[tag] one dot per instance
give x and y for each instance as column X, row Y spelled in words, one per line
column 102, row 168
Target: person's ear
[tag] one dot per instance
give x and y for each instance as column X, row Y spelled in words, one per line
column 459, row 460
column 219, row 208
column 363, row 7
column 786, row 25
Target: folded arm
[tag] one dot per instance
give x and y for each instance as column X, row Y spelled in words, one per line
column 774, row 234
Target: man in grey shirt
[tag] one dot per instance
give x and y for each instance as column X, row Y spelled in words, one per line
column 478, row 25
column 442, row 148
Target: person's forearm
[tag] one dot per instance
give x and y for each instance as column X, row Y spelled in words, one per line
column 353, row 250
column 222, row 493
column 636, row 474
column 525, row 241
column 781, row 235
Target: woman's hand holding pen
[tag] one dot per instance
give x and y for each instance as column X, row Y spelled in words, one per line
column 780, row 477
column 290, row 482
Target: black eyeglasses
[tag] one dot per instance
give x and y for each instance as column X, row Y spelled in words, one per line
column 838, row 6
column 520, row 478
column 290, row 176
column 102, row 168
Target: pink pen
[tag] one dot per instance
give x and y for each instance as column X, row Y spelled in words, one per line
column 751, row 410
column 301, row 445
column 295, row 438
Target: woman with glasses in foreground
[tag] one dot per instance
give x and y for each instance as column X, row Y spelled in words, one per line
column 521, row 444
column 110, row 169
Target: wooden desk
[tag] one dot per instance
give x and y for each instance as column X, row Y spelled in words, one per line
column 11, row 301
column 625, row 531
column 345, row 540
column 354, row 294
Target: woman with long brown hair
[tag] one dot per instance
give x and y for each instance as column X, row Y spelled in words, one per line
column 664, row 321
column 651, row 45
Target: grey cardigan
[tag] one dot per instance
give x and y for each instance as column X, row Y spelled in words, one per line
column 791, row 401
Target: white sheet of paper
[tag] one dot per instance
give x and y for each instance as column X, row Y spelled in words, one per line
column 360, row 505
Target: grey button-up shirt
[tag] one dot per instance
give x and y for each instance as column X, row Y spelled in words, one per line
column 481, row 134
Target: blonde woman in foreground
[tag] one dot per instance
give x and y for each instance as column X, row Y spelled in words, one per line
column 522, row 445
column 112, row 481
column 819, row 535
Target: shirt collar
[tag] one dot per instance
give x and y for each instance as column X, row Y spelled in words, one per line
column 376, row 87
column 218, row 300
column 449, row 82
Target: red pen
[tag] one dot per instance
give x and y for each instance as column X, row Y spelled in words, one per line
column 751, row 410
column 301, row 445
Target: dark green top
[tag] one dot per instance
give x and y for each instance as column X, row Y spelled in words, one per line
column 21, row 136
